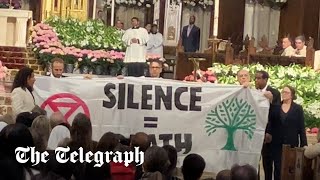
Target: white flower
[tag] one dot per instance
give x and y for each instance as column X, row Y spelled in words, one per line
column 134, row 2
column 139, row 4
column 148, row 5
column 142, row 1
column 210, row 2
column 235, row 69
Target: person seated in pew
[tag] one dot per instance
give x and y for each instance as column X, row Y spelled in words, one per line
column 301, row 48
column 288, row 50
column 155, row 70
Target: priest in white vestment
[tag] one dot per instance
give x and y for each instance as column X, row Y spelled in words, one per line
column 155, row 43
column 136, row 39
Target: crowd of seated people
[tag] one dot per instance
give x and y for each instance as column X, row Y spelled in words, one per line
column 46, row 134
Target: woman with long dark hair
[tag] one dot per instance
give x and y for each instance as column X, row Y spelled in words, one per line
column 22, row 97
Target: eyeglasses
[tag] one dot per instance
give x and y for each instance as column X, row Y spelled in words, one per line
column 243, row 75
column 154, row 67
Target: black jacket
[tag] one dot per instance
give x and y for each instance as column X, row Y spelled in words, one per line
column 291, row 130
column 191, row 43
column 274, row 110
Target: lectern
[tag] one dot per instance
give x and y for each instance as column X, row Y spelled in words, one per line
column 185, row 66
column 14, row 27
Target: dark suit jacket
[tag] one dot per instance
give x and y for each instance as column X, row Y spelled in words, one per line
column 274, row 110
column 191, row 43
column 291, row 130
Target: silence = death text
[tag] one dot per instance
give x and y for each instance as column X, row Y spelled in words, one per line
column 151, row 97
column 63, row 155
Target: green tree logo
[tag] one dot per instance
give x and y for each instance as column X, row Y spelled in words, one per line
column 232, row 115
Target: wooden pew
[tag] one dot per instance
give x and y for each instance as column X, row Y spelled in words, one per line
column 316, row 170
column 294, row 165
column 265, row 56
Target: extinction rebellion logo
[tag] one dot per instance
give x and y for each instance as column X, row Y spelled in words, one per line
column 232, row 115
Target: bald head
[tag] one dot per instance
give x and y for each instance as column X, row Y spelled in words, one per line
column 56, row 118
column 243, row 76
column 140, row 140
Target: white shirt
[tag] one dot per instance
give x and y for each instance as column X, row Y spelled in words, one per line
column 22, row 101
column 289, row 51
column 58, row 134
column 155, row 44
column 264, row 89
column 301, row 53
column 136, row 52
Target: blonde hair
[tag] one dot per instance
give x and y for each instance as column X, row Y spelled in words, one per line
column 42, row 125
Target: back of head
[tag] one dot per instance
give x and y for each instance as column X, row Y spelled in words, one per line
column 38, row 110
column 57, row 135
column 156, row 159
column 245, row 172
column 56, row 118
column 42, row 125
column 152, row 176
column 173, row 156
column 26, row 118
column 224, row 175
column 39, row 142
column 81, row 132
column 140, row 140
column 108, row 142
column 193, row 167
column 19, row 136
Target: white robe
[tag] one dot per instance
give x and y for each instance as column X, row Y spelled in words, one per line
column 135, row 52
column 155, row 44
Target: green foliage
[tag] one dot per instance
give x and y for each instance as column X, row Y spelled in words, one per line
column 304, row 79
column 91, row 34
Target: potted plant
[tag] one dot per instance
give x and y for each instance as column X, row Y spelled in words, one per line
column 69, row 61
column 85, row 64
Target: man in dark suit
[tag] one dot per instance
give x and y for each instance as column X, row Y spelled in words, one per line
column 261, row 80
column 57, row 68
column 191, row 36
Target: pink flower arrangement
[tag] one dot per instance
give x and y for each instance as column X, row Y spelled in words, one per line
column 3, row 71
column 312, row 130
column 202, row 76
column 116, row 55
column 45, row 39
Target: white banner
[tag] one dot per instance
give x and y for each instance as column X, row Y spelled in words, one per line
column 223, row 123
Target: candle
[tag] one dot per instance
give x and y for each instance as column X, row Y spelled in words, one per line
column 112, row 13
column 94, row 9
column 216, row 18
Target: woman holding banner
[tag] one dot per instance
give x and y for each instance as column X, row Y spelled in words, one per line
column 22, row 97
column 289, row 129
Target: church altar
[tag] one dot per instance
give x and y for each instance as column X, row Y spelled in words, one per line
column 15, row 25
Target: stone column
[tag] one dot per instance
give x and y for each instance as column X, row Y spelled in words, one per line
column 3, row 31
column 21, row 32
